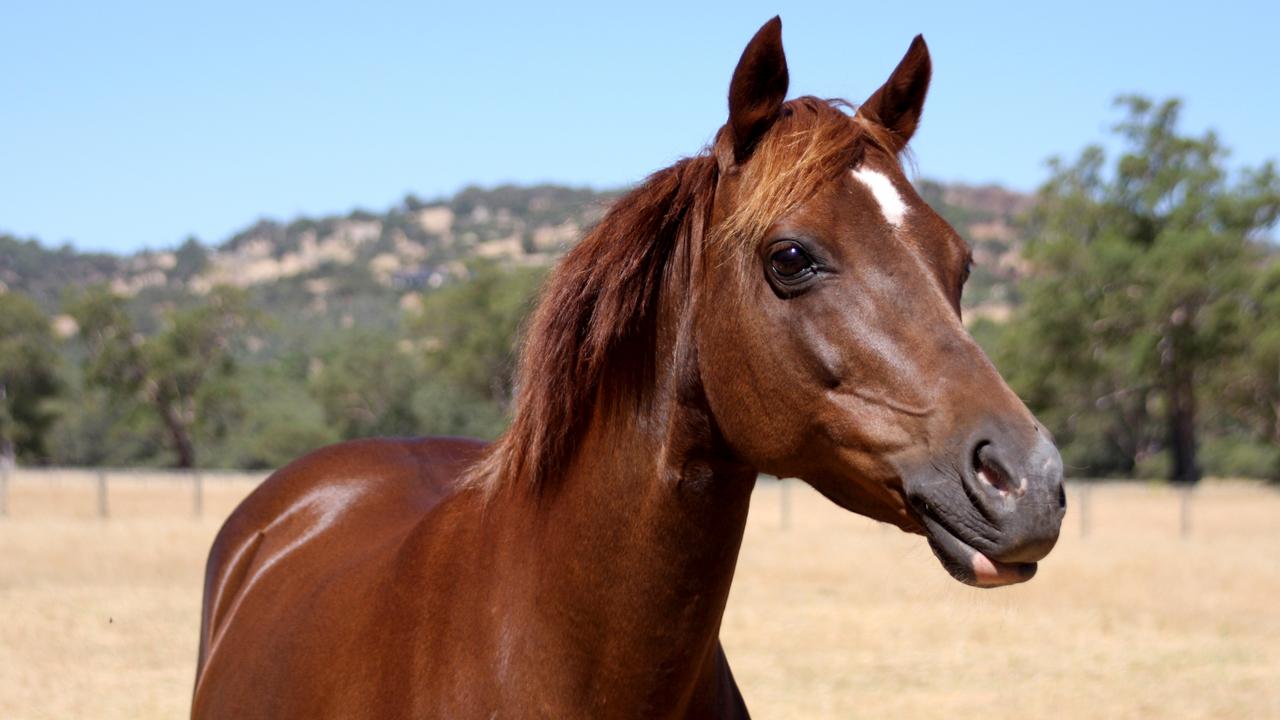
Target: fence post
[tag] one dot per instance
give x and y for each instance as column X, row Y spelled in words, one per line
column 785, row 503
column 1184, row 512
column 4, row 486
column 199, row 490
column 102, row 493
column 1084, row 509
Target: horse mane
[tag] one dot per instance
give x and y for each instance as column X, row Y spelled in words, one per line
column 590, row 342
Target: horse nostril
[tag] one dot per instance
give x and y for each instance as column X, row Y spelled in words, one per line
column 990, row 471
column 1062, row 497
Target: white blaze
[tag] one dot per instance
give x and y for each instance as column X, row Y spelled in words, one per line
column 882, row 189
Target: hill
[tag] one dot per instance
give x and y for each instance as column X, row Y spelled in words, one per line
column 363, row 265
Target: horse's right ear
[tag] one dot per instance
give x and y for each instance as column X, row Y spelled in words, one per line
column 759, row 86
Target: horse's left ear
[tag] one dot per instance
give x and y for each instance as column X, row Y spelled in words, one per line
column 758, row 88
column 898, row 103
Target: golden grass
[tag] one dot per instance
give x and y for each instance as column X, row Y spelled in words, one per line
column 833, row 617
column 842, row 618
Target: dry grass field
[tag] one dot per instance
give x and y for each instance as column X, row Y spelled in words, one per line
column 831, row 616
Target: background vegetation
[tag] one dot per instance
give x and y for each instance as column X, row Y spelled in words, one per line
column 1134, row 302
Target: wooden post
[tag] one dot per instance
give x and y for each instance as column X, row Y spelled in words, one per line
column 4, row 487
column 199, row 490
column 1084, row 509
column 784, row 502
column 1184, row 512
column 102, row 493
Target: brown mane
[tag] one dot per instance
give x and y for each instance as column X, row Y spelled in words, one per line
column 598, row 309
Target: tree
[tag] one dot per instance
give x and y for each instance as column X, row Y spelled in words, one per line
column 1142, row 283
column 1249, row 388
column 181, row 373
column 1260, row 369
column 282, row 422
column 96, row 428
column 28, row 376
column 468, row 335
column 365, row 384
column 470, row 330
column 190, row 259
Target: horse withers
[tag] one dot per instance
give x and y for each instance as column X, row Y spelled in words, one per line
column 783, row 302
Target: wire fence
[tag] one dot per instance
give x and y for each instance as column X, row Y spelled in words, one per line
column 1093, row 506
column 104, row 493
column 107, row 492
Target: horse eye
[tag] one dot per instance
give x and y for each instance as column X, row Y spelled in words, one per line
column 790, row 262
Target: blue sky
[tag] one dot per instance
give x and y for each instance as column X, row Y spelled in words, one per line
column 128, row 125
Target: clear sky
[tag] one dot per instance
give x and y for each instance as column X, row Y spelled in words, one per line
column 126, row 125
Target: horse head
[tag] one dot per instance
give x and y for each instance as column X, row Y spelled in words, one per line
column 828, row 331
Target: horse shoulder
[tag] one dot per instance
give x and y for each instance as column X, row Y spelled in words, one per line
column 351, row 499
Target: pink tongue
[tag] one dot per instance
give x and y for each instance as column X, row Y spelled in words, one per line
column 990, row 573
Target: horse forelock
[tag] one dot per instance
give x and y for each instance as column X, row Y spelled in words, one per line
column 590, row 344
column 813, row 142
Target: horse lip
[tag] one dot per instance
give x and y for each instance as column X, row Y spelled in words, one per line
column 961, row 559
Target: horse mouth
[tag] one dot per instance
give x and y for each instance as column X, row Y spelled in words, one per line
column 967, row 564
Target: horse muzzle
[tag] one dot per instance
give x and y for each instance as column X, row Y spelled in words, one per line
column 991, row 515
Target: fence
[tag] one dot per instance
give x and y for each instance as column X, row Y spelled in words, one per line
column 94, row 491
column 1092, row 506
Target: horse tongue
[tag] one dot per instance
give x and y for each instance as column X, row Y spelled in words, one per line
column 992, row 573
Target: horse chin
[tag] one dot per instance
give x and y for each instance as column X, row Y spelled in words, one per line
column 969, row 565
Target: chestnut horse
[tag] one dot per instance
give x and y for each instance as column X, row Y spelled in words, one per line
column 782, row 303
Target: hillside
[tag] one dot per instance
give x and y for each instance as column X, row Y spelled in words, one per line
column 361, row 266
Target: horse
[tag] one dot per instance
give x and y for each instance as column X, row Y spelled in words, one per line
column 782, row 302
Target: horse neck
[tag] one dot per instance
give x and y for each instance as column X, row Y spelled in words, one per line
column 634, row 549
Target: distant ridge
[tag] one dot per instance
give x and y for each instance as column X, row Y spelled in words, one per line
column 418, row 245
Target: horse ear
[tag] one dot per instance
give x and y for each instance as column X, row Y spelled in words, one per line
column 758, row 88
column 898, row 103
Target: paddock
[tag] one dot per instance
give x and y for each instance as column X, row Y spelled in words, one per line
column 1161, row 605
